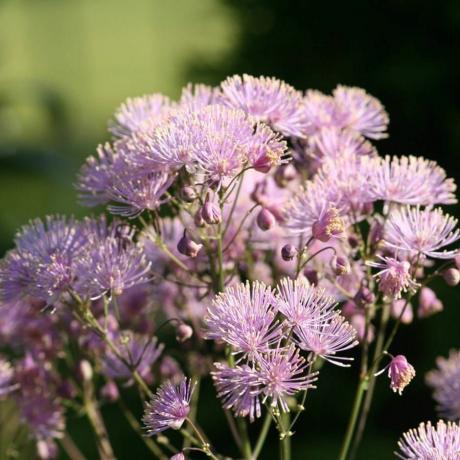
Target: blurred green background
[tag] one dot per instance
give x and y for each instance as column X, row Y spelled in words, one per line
column 65, row 65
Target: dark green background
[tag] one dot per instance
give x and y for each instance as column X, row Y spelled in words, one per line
column 66, row 64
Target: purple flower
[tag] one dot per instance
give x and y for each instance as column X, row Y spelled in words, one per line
column 6, row 378
column 411, row 180
column 421, row 231
column 283, row 373
column 328, row 225
column 195, row 97
column 431, row 443
column 239, row 388
column 327, row 339
column 139, row 352
column 244, row 317
column 361, row 112
column 169, row 407
column 41, row 264
column 400, row 373
column 303, row 304
column 394, row 276
column 445, row 382
column 139, row 113
column 267, row 99
column 320, row 111
column 110, row 265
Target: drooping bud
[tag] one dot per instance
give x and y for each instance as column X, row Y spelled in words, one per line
column 340, row 265
column 311, row 275
column 211, row 212
column 429, row 304
column 178, row 456
column 451, row 276
column 399, row 307
column 85, row 370
column 110, row 392
column 364, row 297
column 188, row 247
column 400, row 373
column 188, row 194
column 329, row 224
column 353, row 241
column 183, row 332
column 198, row 219
column 288, row 252
column 285, row 174
column 265, row 219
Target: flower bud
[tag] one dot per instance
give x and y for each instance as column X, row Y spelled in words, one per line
column 328, row 225
column 353, row 241
column 364, row 297
column 429, row 304
column 358, row 321
column 311, row 275
column 188, row 194
column 110, row 392
column 265, row 219
column 340, row 265
column 457, row 260
column 451, row 276
column 188, row 247
column 288, row 252
column 285, row 174
column 183, row 332
column 211, row 213
column 198, row 219
column 178, row 456
column 398, row 306
column 400, row 373
column 85, row 370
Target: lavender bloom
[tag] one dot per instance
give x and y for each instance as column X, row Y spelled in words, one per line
column 320, row 111
column 111, row 265
column 361, row 112
column 332, row 142
column 421, row 231
column 244, row 317
column 239, row 388
column 6, row 378
column 139, row 113
column 395, row 276
column 400, row 373
column 195, row 97
column 282, row 374
column 308, row 207
column 41, row 264
column 328, row 225
column 328, row 339
column 267, row 99
column 303, row 304
column 139, row 352
column 431, row 443
column 169, row 407
column 411, row 180
column 445, row 382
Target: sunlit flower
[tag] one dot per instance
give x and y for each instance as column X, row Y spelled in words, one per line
column 421, row 231
column 400, row 373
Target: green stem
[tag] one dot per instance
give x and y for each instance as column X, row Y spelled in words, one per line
column 262, row 435
column 285, row 436
column 204, row 444
column 245, row 441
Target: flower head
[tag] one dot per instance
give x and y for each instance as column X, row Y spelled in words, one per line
column 239, row 388
column 421, row 231
column 303, row 304
column 169, row 407
column 244, row 317
column 431, row 443
column 394, row 276
column 267, row 99
column 282, row 374
column 196, row 97
column 445, row 382
column 327, row 339
column 400, row 373
column 411, row 180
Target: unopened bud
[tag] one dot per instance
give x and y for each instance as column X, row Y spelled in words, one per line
column 188, row 194
column 285, row 174
column 183, row 332
column 311, row 275
column 429, row 304
column 188, row 247
column 457, row 260
column 364, row 297
column 288, row 252
column 211, row 213
column 110, row 392
column 178, row 456
column 340, row 265
column 451, row 276
column 198, row 219
column 265, row 220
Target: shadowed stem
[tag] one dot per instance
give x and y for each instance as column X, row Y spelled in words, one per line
column 262, row 435
column 70, row 448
